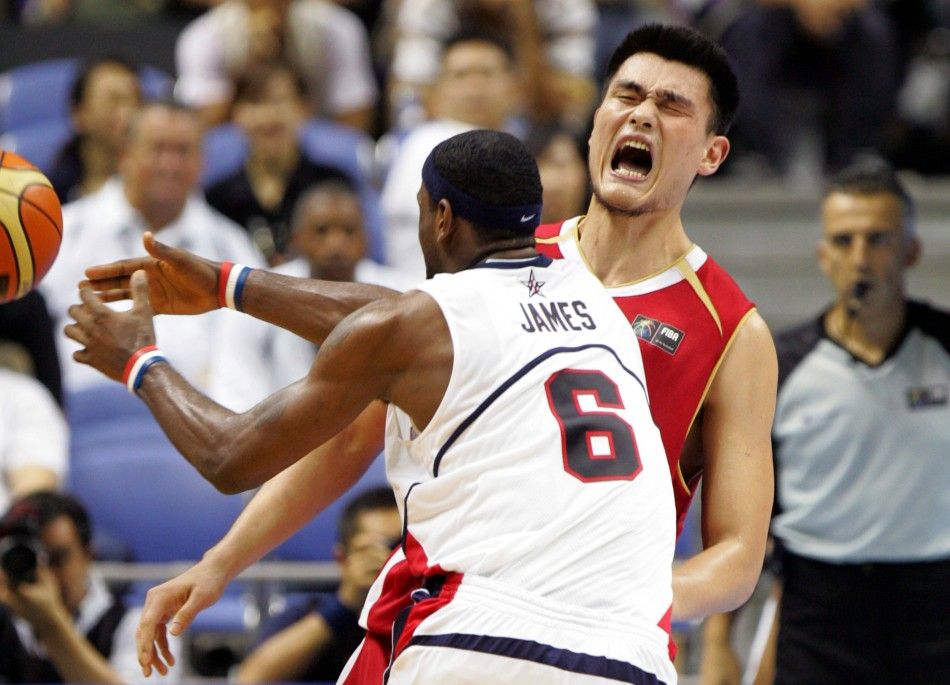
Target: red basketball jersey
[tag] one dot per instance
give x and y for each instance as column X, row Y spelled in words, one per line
column 686, row 318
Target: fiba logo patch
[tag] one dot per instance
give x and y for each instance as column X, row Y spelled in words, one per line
column 657, row 333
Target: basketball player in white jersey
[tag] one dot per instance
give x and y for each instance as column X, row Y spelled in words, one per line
column 530, row 475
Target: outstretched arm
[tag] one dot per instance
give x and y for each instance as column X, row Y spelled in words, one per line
column 183, row 283
column 358, row 363
column 737, row 479
column 280, row 508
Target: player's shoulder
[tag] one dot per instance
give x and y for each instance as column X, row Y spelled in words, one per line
column 717, row 275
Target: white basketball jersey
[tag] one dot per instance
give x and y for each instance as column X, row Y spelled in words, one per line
column 542, row 468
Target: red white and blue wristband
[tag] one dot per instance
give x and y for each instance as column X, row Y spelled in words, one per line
column 140, row 362
column 231, row 281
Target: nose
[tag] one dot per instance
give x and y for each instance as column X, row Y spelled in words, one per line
column 859, row 250
column 643, row 114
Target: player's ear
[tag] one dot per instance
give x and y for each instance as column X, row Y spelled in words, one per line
column 911, row 252
column 716, row 152
column 444, row 221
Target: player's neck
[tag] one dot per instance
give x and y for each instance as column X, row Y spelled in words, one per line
column 621, row 249
column 870, row 334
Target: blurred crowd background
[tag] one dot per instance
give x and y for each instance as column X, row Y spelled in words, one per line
column 290, row 134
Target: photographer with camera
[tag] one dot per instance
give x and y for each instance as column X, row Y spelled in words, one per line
column 58, row 620
column 312, row 640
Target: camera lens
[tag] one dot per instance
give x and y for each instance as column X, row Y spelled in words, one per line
column 18, row 558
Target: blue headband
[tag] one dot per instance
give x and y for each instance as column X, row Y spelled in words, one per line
column 516, row 219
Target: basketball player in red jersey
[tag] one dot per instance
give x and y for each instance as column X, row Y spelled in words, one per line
column 709, row 358
column 710, row 362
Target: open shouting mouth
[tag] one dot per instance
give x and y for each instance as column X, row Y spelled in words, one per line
column 633, row 159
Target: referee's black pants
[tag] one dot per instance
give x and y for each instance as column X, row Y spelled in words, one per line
column 879, row 623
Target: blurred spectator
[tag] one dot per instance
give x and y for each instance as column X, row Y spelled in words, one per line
column 26, row 325
column 921, row 139
column 33, row 438
column 862, row 433
column 476, row 88
column 155, row 191
column 104, row 96
column 35, row 12
column 553, row 51
column 616, row 18
column 63, row 624
column 328, row 234
column 843, row 52
column 562, row 162
column 326, row 44
column 312, row 640
column 270, row 108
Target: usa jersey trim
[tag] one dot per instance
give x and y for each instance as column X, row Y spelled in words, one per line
column 540, row 653
column 539, row 261
column 511, row 380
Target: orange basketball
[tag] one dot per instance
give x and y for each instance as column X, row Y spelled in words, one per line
column 31, row 226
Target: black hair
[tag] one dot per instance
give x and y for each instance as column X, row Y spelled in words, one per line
column 870, row 176
column 373, row 499
column 251, row 86
column 39, row 509
column 493, row 167
column 339, row 185
column 88, row 67
column 687, row 46
column 541, row 134
column 477, row 35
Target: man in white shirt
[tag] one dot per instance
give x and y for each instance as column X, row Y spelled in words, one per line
column 156, row 190
column 476, row 88
column 553, row 42
column 325, row 43
column 328, row 232
column 33, row 437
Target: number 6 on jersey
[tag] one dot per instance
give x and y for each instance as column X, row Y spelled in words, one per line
column 597, row 445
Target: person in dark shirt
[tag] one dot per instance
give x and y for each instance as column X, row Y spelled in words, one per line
column 27, row 323
column 313, row 638
column 103, row 98
column 270, row 106
column 61, row 623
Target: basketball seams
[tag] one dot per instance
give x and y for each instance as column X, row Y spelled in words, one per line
column 16, row 262
column 29, row 243
column 59, row 230
column 20, row 190
column 27, row 199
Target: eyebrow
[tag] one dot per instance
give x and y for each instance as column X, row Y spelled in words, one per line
column 664, row 95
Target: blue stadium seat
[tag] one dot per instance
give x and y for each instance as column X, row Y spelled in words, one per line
column 37, row 92
column 324, row 142
column 39, row 143
column 102, row 402
column 314, row 542
column 141, row 494
column 141, row 491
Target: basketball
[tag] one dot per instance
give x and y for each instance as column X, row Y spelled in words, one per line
column 31, row 226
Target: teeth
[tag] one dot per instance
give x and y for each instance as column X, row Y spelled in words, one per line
column 636, row 144
column 629, row 173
